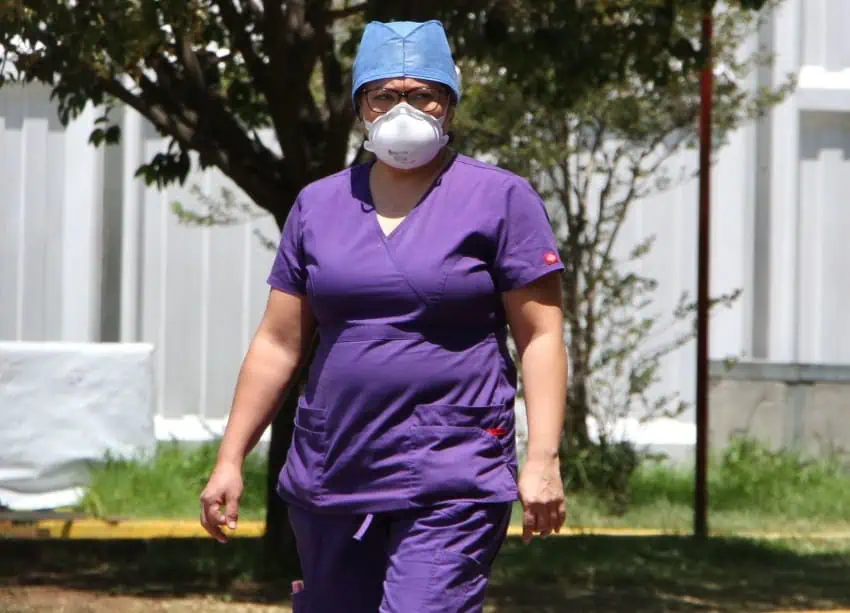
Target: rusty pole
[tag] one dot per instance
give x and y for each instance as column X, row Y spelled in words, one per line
column 703, row 272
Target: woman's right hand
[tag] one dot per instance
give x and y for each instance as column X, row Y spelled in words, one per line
column 220, row 500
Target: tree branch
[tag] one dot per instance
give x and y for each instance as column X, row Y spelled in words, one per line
column 599, row 139
column 348, row 11
column 253, row 171
column 189, row 60
column 218, row 135
column 282, row 103
column 566, row 182
column 337, row 101
column 291, row 47
column 237, row 25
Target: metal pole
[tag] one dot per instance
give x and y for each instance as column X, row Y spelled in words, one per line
column 706, row 86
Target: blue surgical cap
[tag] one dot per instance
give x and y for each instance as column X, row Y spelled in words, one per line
column 405, row 49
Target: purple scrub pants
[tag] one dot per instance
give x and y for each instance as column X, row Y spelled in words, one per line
column 433, row 560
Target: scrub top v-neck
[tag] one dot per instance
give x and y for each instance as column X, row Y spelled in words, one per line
column 409, row 399
column 434, row 182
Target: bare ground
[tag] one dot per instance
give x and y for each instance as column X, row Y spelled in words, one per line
column 56, row 599
column 587, row 574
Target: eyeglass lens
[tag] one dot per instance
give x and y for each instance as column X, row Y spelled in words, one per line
column 424, row 99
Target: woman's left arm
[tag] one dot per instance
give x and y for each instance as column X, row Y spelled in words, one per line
column 536, row 320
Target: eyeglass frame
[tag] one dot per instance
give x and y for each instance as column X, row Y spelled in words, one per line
column 441, row 89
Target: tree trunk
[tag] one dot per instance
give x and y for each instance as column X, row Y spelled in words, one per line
column 280, row 554
column 578, row 403
column 577, row 413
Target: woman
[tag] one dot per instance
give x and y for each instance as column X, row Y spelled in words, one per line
column 402, row 470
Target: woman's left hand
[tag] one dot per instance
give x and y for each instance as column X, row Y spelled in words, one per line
column 541, row 491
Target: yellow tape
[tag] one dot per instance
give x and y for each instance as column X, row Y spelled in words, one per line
column 127, row 529
column 163, row 528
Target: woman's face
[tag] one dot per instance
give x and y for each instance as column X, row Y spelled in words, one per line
column 378, row 97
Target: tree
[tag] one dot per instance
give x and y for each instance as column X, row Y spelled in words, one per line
column 594, row 154
column 211, row 75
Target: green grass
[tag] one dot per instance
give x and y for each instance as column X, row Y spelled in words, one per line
column 750, row 488
column 169, row 486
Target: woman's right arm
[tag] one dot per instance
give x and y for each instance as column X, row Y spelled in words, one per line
column 273, row 357
column 272, row 360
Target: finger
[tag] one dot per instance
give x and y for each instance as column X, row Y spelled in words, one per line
column 232, row 512
column 543, row 522
column 210, row 518
column 527, row 534
column 209, row 505
column 211, row 527
column 559, row 515
column 554, row 519
column 529, row 518
column 529, row 525
column 220, row 517
column 213, row 511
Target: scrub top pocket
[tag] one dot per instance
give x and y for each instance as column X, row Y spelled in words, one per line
column 310, row 419
column 305, row 460
column 461, row 451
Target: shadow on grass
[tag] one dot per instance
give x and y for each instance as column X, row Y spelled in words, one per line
column 675, row 574
column 589, row 574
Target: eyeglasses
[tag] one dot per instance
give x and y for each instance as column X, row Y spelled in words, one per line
column 426, row 99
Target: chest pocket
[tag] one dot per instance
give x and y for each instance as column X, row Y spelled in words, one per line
column 468, row 293
column 425, row 274
column 451, row 275
column 356, row 279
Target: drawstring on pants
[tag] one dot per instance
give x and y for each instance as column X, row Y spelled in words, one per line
column 364, row 527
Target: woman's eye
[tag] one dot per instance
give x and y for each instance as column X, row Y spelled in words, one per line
column 422, row 97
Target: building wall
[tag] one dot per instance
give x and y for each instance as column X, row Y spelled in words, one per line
column 50, row 196
column 803, row 207
column 89, row 253
column 792, row 406
column 201, row 295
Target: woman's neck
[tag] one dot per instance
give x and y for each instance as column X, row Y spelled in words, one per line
column 412, row 176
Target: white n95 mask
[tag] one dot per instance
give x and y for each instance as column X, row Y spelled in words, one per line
column 405, row 137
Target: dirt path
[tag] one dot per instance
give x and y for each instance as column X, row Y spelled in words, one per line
column 50, row 599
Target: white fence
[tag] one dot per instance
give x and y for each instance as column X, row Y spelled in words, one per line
column 89, row 254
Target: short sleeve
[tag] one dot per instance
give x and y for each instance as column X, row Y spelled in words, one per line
column 289, row 273
column 526, row 245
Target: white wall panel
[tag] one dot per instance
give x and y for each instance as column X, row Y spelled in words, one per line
column 32, row 197
column 825, row 250
column 203, row 291
column 784, row 199
column 12, row 107
column 824, row 33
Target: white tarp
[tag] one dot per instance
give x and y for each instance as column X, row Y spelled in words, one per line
column 63, row 406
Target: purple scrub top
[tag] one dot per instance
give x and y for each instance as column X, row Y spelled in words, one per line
column 410, row 398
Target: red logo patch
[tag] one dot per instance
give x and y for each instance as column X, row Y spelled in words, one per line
column 550, row 257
